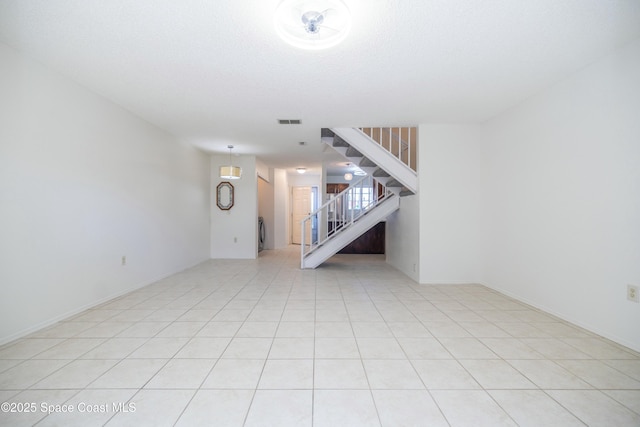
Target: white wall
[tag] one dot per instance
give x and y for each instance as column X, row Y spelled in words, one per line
column 266, row 200
column 281, row 212
column 450, row 204
column 263, row 170
column 564, row 192
column 83, row 183
column 234, row 232
column 402, row 238
column 303, row 180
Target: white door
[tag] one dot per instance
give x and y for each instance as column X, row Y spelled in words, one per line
column 301, row 206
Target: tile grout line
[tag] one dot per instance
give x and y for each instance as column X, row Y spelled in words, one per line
column 255, row 391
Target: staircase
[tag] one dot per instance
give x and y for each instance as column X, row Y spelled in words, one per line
column 386, row 156
column 380, row 152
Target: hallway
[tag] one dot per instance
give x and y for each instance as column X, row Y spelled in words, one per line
column 354, row 342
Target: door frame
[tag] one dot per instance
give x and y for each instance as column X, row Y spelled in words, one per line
column 314, row 199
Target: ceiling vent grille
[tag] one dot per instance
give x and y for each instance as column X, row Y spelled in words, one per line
column 289, row 121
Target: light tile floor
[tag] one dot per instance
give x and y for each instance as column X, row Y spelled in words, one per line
column 262, row 343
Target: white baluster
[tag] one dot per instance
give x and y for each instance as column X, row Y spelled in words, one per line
column 302, row 246
column 409, row 147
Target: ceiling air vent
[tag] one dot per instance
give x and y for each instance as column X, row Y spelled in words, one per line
column 289, row 121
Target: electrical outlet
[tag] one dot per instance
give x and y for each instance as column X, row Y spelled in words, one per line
column 124, row 260
column 632, row 293
column 235, row 240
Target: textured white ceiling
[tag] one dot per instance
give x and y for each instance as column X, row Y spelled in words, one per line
column 214, row 72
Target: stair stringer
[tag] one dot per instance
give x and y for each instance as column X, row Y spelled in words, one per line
column 385, row 160
column 351, row 233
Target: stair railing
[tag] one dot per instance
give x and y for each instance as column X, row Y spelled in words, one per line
column 399, row 141
column 341, row 211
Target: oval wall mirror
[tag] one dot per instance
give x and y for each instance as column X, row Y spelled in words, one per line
column 224, row 195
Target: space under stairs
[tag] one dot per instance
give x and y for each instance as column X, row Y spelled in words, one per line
column 386, row 157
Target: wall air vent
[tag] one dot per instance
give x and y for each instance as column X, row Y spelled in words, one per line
column 289, row 121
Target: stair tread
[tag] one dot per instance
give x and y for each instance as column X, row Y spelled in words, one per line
column 367, row 163
column 352, row 152
column 339, row 142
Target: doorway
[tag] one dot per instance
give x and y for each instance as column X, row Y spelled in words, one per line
column 302, row 204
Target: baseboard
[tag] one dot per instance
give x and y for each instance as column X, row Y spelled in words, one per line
column 590, row 328
column 71, row 313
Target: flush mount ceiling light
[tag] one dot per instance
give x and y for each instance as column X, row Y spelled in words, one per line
column 230, row 172
column 348, row 176
column 301, row 170
column 359, row 172
column 312, row 24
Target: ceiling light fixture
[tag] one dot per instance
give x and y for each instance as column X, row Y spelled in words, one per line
column 348, row 176
column 312, row 24
column 230, row 172
column 359, row 172
column 301, row 170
